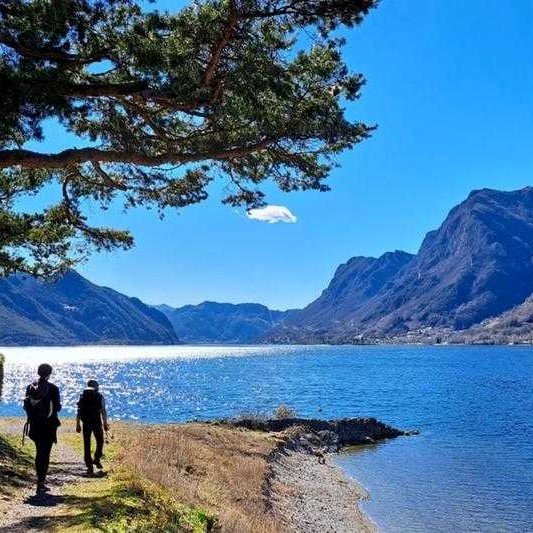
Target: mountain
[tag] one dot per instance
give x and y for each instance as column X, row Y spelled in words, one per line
column 354, row 283
column 471, row 281
column 72, row 310
column 477, row 265
column 211, row 322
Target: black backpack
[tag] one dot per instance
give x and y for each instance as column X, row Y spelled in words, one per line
column 90, row 406
column 38, row 404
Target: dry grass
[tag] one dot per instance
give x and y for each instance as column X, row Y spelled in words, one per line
column 215, row 467
column 123, row 501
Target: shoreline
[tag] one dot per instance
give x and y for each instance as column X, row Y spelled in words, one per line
column 386, row 343
column 267, row 476
column 305, row 490
column 311, row 496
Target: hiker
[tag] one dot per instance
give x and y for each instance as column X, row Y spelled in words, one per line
column 42, row 403
column 93, row 415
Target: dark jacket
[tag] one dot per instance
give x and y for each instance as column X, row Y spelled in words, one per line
column 91, row 407
column 48, row 428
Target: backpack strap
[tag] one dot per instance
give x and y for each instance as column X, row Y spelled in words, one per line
column 25, row 430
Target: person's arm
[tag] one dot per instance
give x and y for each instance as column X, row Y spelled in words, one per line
column 78, row 418
column 105, row 420
column 56, row 400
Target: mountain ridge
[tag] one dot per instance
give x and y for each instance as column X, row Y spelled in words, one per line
column 214, row 322
column 476, row 265
column 72, row 310
column 470, row 281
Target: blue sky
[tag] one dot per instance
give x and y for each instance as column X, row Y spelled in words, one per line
column 450, row 86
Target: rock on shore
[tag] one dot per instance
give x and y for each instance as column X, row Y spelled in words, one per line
column 325, row 435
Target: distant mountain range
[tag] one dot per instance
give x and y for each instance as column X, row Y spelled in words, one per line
column 73, row 310
column 471, row 281
column 212, row 322
column 476, row 266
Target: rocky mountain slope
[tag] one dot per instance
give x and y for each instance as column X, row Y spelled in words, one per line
column 211, row 322
column 72, row 310
column 354, row 283
column 513, row 326
column 477, row 265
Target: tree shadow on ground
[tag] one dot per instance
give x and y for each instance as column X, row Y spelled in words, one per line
column 31, row 523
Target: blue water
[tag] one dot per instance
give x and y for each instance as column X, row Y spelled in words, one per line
column 470, row 469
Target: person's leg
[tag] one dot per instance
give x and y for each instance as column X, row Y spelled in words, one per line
column 39, row 459
column 43, row 448
column 87, row 430
column 98, row 431
column 46, row 457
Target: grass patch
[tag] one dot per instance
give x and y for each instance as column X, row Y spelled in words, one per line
column 189, row 477
column 15, row 468
column 122, row 502
column 283, row 411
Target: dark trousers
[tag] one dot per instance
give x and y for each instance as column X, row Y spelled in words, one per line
column 97, row 430
column 43, row 447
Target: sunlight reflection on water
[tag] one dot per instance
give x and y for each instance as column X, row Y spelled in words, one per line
column 73, row 354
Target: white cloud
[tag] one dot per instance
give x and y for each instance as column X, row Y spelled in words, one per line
column 272, row 214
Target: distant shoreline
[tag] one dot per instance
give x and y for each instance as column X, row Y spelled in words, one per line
column 261, row 345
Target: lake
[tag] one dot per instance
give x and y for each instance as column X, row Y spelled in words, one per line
column 470, row 469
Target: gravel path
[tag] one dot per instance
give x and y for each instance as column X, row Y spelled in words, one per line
column 311, row 495
column 31, row 513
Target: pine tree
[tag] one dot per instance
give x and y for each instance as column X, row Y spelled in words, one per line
column 237, row 90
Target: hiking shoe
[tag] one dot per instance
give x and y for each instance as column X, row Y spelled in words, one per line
column 98, row 464
column 41, row 488
column 90, row 471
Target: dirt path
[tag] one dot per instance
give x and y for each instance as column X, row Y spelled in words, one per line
column 31, row 513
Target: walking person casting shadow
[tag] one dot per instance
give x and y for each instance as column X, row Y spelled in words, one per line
column 42, row 403
column 93, row 415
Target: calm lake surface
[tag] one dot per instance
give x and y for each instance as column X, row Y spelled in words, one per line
column 470, row 469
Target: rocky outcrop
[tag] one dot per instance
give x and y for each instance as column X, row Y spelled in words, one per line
column 325, row 436
column 302, row 490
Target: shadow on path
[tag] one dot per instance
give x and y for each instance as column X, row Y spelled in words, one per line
column 81, row 510
column 44, row 500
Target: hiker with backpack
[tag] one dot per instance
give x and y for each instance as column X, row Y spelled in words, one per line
column 42, row 403
column 93, row 415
